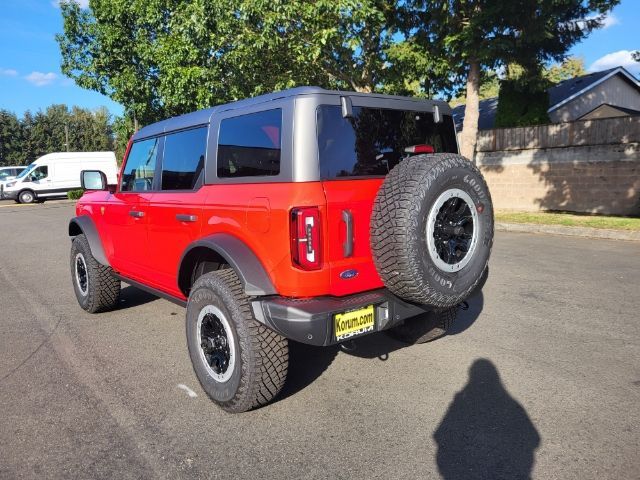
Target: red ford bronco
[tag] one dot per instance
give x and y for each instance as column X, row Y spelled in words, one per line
column 306, row 215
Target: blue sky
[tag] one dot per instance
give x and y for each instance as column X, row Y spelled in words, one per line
column 30, row 75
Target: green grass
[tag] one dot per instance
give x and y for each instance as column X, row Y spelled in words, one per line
column 570, row 220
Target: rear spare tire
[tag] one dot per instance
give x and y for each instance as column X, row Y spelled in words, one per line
column 432, row 229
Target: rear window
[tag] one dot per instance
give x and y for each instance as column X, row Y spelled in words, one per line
column 249, row 145
column 372, row 142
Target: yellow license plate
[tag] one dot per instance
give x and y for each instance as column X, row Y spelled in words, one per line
column 356, row 322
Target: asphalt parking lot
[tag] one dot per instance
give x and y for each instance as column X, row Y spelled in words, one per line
column 540, row 378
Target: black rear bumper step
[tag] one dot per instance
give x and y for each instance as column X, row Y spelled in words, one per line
column 310, row 321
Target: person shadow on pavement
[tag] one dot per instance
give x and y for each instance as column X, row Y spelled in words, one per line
column 485, row 434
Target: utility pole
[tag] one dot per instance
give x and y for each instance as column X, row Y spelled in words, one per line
column 66, row 135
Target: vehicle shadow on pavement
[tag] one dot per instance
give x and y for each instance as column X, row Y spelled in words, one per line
column 133, row 297
column 485, row 434
column 380, row 345
column 466, row 318
column 306, row 364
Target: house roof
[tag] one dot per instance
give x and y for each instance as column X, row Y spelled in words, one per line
column 567, row 90
column 559, row 95
column 488, row 108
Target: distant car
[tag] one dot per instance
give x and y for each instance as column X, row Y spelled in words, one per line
column 9, row 173
column 55, row 174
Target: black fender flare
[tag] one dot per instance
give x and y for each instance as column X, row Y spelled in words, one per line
column 239, row 256
column 84, row 225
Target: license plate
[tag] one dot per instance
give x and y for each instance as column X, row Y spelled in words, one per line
column 355, row 322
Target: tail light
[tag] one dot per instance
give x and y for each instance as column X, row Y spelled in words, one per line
column 422, row 148
column 305, row 238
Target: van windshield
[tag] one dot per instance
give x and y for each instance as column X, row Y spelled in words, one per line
column 26, row 171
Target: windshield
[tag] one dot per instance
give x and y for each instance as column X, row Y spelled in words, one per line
column 26, row 170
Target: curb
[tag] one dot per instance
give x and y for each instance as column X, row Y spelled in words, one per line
column 629, row 235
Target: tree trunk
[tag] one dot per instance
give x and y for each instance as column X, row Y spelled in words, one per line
column 471, row 113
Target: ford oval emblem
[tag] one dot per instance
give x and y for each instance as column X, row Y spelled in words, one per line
column 348, row 274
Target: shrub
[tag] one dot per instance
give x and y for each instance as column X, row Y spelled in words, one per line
column 75, row 194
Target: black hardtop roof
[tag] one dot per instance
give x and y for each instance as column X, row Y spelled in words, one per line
column 202, row 117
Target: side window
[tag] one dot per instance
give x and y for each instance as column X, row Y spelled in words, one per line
column 40, row 173
column 140, row 167
column 249, row 145
column 183, row 159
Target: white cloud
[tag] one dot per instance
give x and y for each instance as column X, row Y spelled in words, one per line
column 8, row 72
column 40, row 79
column 621, row 58
column 610, row 20
column 81, row 3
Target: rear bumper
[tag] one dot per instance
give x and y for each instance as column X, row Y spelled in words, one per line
column 311, row 321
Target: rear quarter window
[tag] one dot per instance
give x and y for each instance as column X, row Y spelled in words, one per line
column 249, row 145
column 372, row 142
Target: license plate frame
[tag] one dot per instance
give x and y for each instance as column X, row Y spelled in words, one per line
column 354, row 323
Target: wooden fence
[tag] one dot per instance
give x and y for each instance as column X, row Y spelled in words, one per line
column 604, row 131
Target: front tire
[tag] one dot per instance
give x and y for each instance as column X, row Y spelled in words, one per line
column 240, row 363
column 26, row 196
column 96, row 289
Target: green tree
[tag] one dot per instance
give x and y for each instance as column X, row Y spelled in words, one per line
column 489, row 88
column 483, row 34
column 10, row 138
column 24, row 140
column 165, row 57
column 570, row 68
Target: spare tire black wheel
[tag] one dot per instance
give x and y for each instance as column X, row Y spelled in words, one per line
column 432, row 229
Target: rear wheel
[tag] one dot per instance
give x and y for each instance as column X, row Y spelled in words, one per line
column 96, row 289
column 26, row 196
column 239, row 362
column 426, row 327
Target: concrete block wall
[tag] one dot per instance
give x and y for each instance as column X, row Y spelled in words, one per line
column 592, row 179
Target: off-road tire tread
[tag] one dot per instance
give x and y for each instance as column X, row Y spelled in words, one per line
column 104, row 288
column 394, row 221
column 266, row 362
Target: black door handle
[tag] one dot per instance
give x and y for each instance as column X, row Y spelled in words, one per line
column 347, row 246
column 183, row 217
column 136, row 213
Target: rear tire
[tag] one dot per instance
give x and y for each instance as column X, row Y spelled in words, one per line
column 240, row 363
column 96, row 289
column 426, row 327
column 432, row 229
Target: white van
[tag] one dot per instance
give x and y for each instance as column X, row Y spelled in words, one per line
column 54, row 174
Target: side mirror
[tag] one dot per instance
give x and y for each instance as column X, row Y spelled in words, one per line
column 93, row 180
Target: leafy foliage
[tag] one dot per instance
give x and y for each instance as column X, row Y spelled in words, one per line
column 23, row 140
column 165, row 57
column 569, row 68
column 161, row 58
column 521, row 104
column 75, row 194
